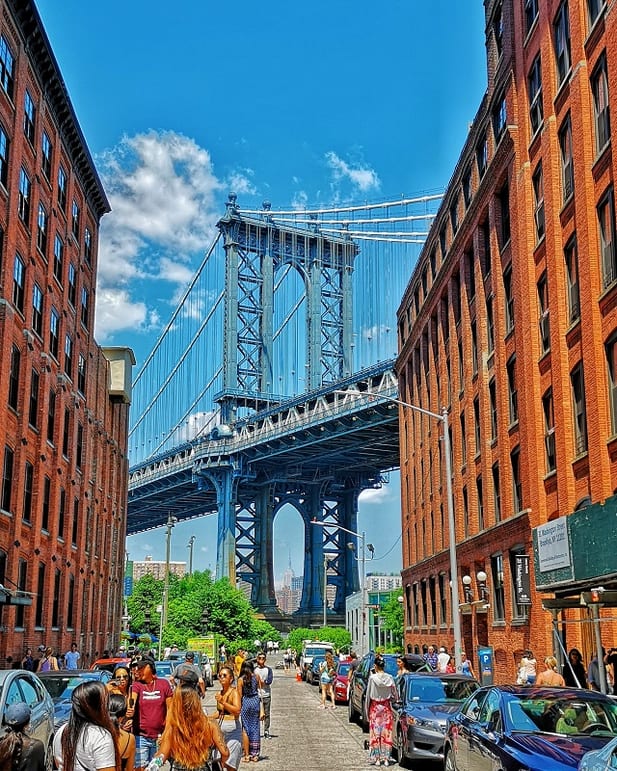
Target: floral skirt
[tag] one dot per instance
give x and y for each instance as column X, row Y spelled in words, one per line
column 380, row 727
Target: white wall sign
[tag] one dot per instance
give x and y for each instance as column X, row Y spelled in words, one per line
column 553, row 545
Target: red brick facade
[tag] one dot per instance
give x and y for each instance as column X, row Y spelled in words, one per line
column 62, row 436
column 509, row 320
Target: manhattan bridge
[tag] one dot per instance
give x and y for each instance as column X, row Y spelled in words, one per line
column 273, row 384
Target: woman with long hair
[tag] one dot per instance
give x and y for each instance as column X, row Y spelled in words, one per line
column 189, row 736
column 89, row 739
column 120, row 684
column 327, row 672
column 126, row 740
column 228, row 706
column 18, row 752
column 550, row 676
column 248, row 688
column 574, row 672
column 380, row 693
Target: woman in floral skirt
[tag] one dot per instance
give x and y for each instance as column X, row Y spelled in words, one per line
column 380, row 693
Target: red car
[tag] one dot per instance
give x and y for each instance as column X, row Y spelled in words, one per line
column 341, row 682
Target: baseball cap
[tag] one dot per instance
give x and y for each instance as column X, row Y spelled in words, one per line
column 17, row 714
column 189, row 655
column 188, row 676
column 41, row 648
column 142, row 661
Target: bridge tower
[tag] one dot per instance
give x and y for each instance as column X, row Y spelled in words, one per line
column 256, row 248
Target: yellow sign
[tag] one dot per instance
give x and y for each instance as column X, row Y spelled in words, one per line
column 205, row 645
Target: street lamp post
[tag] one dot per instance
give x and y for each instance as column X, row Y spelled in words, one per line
column 190, row 545
column 171, row 521
column 325, row 584
column 443, row 419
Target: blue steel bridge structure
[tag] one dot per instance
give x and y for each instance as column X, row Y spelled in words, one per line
column 273, row 384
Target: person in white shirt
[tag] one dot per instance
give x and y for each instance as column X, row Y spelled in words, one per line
column 263, row 671
column 443, row 658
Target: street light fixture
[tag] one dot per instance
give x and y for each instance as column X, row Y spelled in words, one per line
column 443, row 419
column 171, row 521
column 362, row 560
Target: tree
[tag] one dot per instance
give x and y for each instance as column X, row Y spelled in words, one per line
column 392, row 615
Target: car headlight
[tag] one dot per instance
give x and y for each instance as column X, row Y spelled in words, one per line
column 426, row 723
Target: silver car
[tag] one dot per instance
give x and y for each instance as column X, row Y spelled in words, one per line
column 18, row 685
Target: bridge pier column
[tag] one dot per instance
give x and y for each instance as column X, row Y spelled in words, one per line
column 263, row 596
column 348, row 518
column 312, row 596
column 224, row 481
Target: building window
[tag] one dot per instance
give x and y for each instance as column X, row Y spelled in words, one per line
column 55, row 606
column 599, row 88
column 476, row 424
column 62, row 188
column 534, row 87
column 79, row 446
column 7, row 480
column 42, row 228
column 22, row 585
column 479, row 493
column 517, row 488
column 66, row 433
column 611, row 365
column 51, row 416
column 4, row 157
column 467, row 193
column 561, row 29
column 61, row 512
column 606, row 222
column 75, row 219
column 33, row 411
column 75, row 528
column 14, row 373
column 482, row 156
column 46, row 154
column 531, row 13
column 580, row 413
column 471, row 276
column 58, row 258
column 492, row 393
column 461, row 367
column 72, row 284
column 25, row 197
column 465, row 513
column 40, row 594
column 485, row 237
column 85, row 300
column 594, row 9
column 28, row 487
column 45, row 511
column 70, row 603
column 499, row 611
column 503, row 198
column 54, row 333
column 496, row 492
column 538, row 198
column 37, row 309
column 474, row 348
column 571, row 259
column 490, row 325
column 19, row 283
column 88, row 246
column 454, row 216
column 442, row 599
column 500, row 118
column 549, row 431
column 463, row 441
column 81, row 374
column 509, row 299
column 29, row 117
column 498, row 30
column 433, row 263
column 544, row 312
column 7, row 67
column 68, row 356
column 512, row 392
column 567, row 159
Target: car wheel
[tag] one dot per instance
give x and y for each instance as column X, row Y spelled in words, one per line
column 364, row 722
column 350, row 711
column 403, row 760
column 449, row 761
column 49, row 757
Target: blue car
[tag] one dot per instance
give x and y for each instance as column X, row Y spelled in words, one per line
column 61, row 684
column 515, row 727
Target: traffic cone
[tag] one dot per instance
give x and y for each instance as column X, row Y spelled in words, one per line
column 298, row 676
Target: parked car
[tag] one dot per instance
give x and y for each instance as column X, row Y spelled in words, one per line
column 359, row 680
column 312, row 672
column 111, row 663
column 600, row 760
column 341, row 682
column 17, row 685
column 310, row 649
column 61, row 685
column 165, row 668
column 427, row 700
column 515, row 727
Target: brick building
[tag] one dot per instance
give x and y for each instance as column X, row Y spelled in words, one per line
column 510, row 320
column 63, row 399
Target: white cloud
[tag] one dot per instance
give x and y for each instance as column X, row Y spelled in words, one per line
column 299, row 200
column 362, row 178
column 241, row 183
column 373, row 496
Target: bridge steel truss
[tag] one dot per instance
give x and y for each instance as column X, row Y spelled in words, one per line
column 316, row 452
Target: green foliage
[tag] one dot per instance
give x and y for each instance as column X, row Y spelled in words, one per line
column 392, row 615
column 337, row 635
column 297, row 636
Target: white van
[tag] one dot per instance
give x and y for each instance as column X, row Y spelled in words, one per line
column 310, row 649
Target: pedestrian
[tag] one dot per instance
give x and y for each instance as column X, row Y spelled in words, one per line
column 574, row 670
column 148, row 704
column 189, row 663
column 28, row 662
column 248, row 688
column 380, row 693
column 400, row 668
column 527, row 669
column 49, row 662
column 593, row 672
column 126, row 740
column 327, row 672
column 550, row 676
column 120, row 685
column 88, row 740
column 71, row 658
column 265, row 674
column 610, row 664
column 443, row 657
column 466, row 668
column 19, row 752
column 228, row 706
column 189, row 736
column 451, row 666
column 431, row 657
column 238, row 661
column 222, row 653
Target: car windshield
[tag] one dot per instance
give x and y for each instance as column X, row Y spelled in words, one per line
column 343, row 669
column 391, row 666
column 563, row 715
column 61, row 687
column 434, row 690
column 317, row 651
column 318, row 660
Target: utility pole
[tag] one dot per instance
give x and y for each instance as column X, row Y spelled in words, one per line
column 190, row 548
column 171, row 521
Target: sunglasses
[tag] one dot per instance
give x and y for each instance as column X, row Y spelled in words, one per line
column 122, row 677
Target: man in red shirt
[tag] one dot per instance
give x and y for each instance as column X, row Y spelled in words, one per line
column 148, row 701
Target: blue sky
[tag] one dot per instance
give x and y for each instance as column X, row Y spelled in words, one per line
column 299, row 103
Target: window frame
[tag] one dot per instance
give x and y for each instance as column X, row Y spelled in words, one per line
column 561, row 43
column 534, row 91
